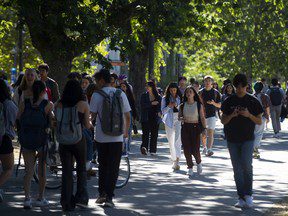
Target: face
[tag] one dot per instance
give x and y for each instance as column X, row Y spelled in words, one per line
column 30, row 76
column 241, row 90
column 123, row 87
column 173, row 91
column 190, row 93
column 84, row 84
column 208, row 83
column 229, row 89
column 182, row 83
column 148, row 88
column 196, row 87
column 113, row 82
column 43, row 74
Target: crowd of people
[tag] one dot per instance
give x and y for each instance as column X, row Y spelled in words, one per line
column 101, row 111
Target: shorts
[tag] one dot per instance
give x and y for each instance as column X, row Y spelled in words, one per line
column 39, row 150
column 6, row 147
column 211, row 123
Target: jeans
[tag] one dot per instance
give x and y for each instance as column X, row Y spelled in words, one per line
column 275, row 118
column 150, row 133
column 241, row 158
column 67, row 153
column 89, row 142
column 258, row 133
column 109, row 156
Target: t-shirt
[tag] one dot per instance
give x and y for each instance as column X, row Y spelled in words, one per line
column 96, row 107
column 213, row 94
column 240, row 128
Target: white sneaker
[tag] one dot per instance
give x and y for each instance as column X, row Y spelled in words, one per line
column 27, row 204
column 249, row 201
column 175, row 165
column 41, row 203
column 1, row 195
column 190, row 172
column 204, row 151
column 199, row 168
column 240, row 204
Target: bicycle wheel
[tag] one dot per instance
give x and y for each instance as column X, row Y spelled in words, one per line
column 124, row 172
column 53, row 176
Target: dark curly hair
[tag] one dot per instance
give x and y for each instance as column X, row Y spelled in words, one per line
column 168, row 94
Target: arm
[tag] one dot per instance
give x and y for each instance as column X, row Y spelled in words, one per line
column 165, row 109
column 55, row 93
column 227, row 118
column 87, row 122
column 256, row 119
column 126, row 124
column 202, row 117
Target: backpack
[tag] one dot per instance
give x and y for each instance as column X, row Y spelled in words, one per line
column 33, row 126
column 2, row 122
column 112, row 113
column 275, row 96
column 69, row 128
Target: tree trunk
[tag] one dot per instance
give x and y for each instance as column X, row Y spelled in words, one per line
column 137, row 73
column 59, row 70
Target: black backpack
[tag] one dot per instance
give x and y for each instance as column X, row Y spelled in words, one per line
column 275, row 96
column 33, row 126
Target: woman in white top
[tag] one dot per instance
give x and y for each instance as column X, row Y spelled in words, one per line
column 170, row 109
column 191, row 113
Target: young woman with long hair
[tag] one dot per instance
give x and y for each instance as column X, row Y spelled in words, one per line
column 150, row 118
column 9, row 112
column 73, row 97
column 191, row 113
column 134, row 115
column 170, row 109
column 29, row 153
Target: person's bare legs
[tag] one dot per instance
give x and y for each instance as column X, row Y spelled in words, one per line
column 204, row 142
column 7, row 161
column 210, row 135
column 29, row 160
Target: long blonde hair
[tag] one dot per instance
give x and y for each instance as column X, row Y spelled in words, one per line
column 23, row 85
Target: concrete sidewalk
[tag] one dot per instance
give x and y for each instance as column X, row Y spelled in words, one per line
column 154, row 189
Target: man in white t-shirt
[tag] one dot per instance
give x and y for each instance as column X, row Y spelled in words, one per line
column 109, row 147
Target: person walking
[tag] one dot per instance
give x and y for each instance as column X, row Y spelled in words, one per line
column 8, row 113
column 170, row 109
column 182, row 84
column 259, row 129
column 112, row 126
column 241, row 112
column 211, row 99
column 72, row 115
column 277, row 97
column 150, row 118
column 50, row 83
column 34, row 116
column 191, row 113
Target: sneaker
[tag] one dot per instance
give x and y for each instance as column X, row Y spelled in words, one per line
column 153, row 153
column 27, row 203
column 176, row 165
column 209, row 153
column 277, row 136
column 190, row 172
column 143, row 151
column 204, row 151
column 109, row 203
column 1, row 195
column 91, row 172
column 101, row 200
column 240, row 204
column 41, row 202
column 199, row 168
column 249, row 201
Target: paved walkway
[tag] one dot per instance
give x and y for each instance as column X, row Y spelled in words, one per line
column 155, row 190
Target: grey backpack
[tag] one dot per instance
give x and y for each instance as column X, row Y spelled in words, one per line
column 69, row 128
column 112, row 113
column 2, row 122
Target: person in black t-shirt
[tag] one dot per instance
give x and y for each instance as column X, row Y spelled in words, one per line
column 240, row 114
column 211, row 99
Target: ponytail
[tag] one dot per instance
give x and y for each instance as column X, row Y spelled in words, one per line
column 37, row 88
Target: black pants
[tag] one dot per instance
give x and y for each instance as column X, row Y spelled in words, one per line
column 67, row 153
column 109, row 156
column 150, row 133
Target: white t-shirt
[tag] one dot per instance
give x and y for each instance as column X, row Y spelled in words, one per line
column 96, row 107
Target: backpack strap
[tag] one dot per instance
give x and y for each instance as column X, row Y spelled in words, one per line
column 103, row 93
